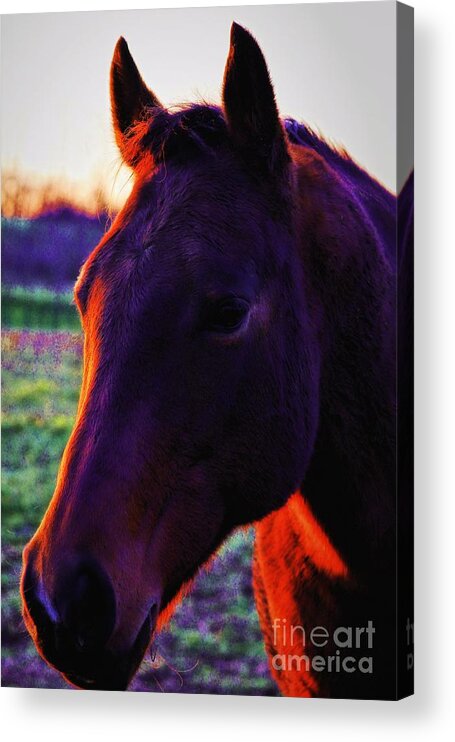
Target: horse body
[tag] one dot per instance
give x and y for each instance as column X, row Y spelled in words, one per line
column 239, row 367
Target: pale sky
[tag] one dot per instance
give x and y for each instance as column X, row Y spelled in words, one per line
column 333, row 65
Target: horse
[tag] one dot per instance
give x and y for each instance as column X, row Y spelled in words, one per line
column 239, row 368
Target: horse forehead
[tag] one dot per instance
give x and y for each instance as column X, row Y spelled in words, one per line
column 203, row 194
column 180, row 221
column 203, row 235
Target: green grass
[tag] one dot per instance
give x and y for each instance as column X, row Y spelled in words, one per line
column 39, row 402
column 38, row 309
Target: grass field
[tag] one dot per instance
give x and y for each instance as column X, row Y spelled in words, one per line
column 38, row 309
column 213, row 643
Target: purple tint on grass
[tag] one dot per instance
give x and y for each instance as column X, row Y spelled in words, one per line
column 55, row 244
column 41, row 341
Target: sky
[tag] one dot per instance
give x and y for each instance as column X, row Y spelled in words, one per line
column 332, row 65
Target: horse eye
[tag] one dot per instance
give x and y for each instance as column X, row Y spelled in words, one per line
column 226, row 315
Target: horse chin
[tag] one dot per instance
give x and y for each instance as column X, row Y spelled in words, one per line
column 115, row 672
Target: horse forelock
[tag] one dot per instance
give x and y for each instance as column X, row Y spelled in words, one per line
column 165, row 133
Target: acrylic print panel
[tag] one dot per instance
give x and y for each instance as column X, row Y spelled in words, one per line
column 207, row 333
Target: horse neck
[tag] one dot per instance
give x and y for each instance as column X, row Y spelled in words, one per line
column 350, row 482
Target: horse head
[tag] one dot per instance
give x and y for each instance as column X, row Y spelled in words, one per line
column 198, row 405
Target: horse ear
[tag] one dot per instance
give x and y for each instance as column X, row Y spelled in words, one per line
column 249, row 103
column 129, row 95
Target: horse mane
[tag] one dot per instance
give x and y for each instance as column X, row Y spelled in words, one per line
column 183, row 131
column 335, row 155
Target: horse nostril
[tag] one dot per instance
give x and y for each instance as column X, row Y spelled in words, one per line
column 86, row 605
column 80, row 642
column 36, row 604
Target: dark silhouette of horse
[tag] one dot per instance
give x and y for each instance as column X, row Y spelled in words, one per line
column 239, row 367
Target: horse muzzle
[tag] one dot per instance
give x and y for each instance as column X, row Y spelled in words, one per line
column 72, row 631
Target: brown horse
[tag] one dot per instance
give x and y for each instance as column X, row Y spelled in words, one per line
column 239, row 349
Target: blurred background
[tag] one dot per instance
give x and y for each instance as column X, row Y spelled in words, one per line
column 334, row 67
